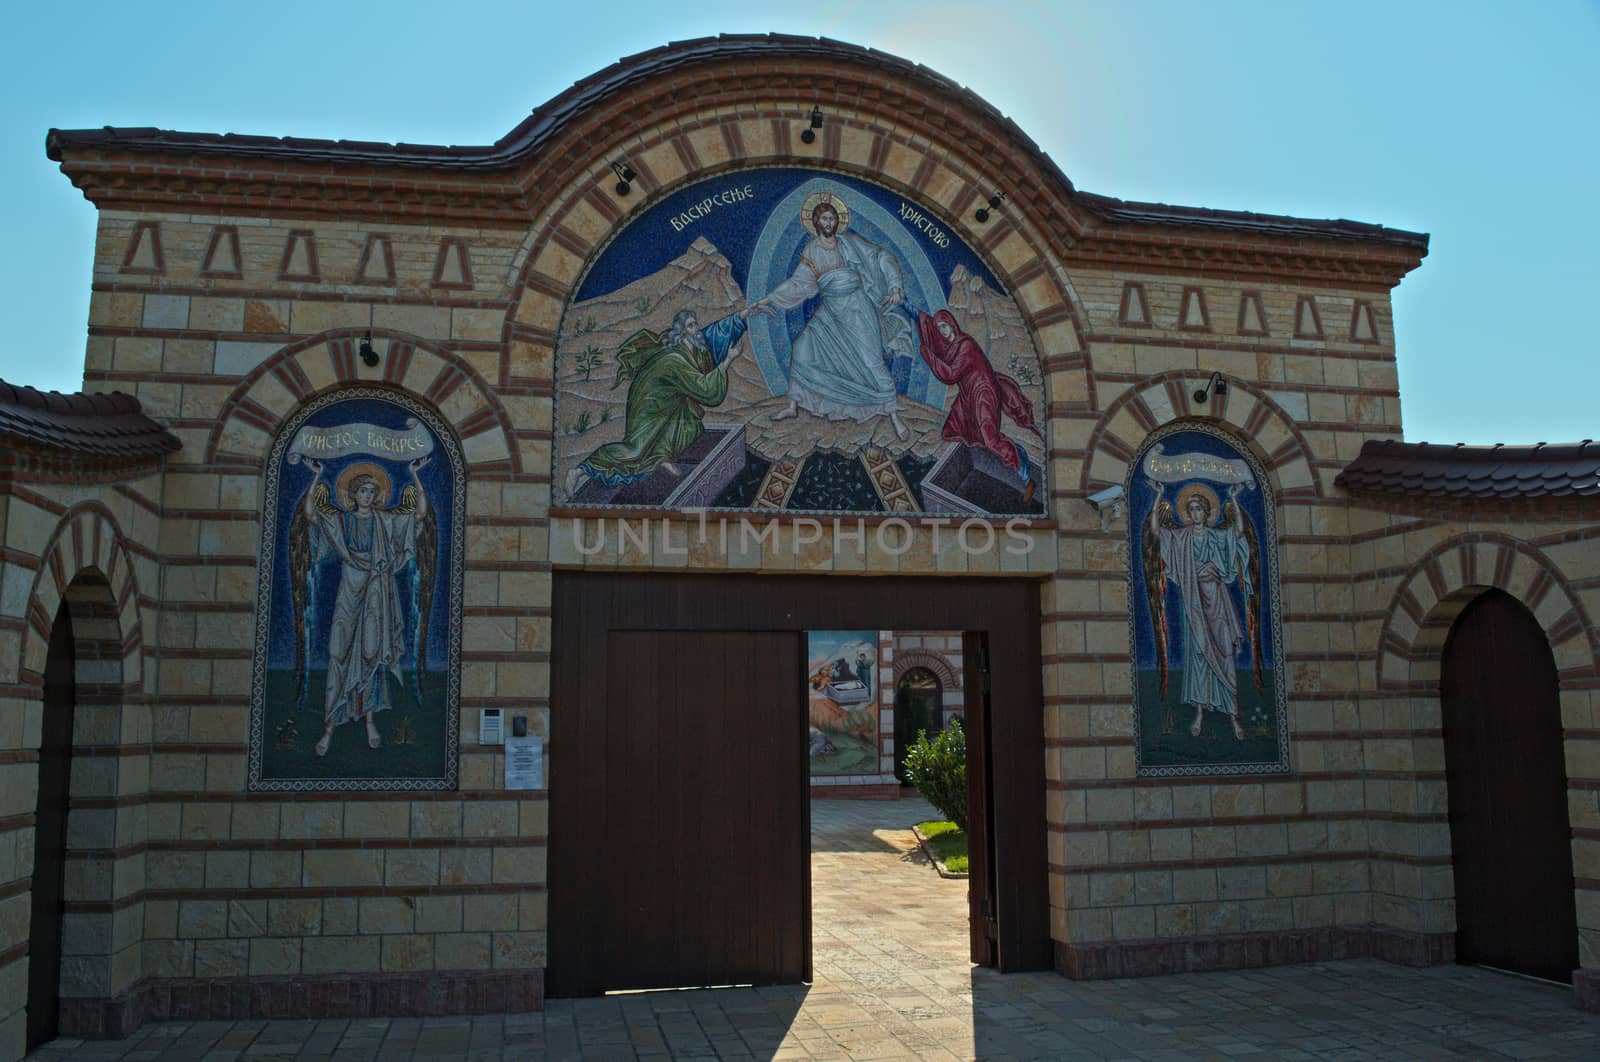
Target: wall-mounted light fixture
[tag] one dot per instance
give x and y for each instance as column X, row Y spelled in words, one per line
column 625, row 176
column 1216, row 384
column 994, row 204
column 368, row 355
column 809, row 134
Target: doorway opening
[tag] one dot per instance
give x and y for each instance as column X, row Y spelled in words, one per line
column 1505, row 769
column 680, row 709
column 50, row 834
column 918, row 709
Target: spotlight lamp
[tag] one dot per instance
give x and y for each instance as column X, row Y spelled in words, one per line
column 809, row 134
column 983, row 212
column 1216, row 384
column 368, row 355
column 625, row 176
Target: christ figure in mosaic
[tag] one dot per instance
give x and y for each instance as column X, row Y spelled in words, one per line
column 837, row 365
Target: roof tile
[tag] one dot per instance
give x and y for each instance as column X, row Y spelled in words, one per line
column 106, row 425
column 1391, row 467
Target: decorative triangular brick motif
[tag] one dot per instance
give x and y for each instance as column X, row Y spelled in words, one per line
column 1194, row 316
column 1135, row 308
column 1307, row 322
column 144, row 250
column 1362, row 329
column 300, row 257
column 1252, row 319
column 222, row 254
column 453, row 267
column 376, row 265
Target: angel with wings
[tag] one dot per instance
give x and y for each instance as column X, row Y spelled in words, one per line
column 1203, row 562
column 375, row 547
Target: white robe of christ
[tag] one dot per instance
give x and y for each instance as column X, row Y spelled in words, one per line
column 836, row 364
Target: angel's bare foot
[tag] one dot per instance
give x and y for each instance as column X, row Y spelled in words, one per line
column 1238, row 731
column 672, row 469
column 1199, row 717
column 322, row 742
column 575, row 481
column 788, row 411
column 373, row 741
column 900, row 429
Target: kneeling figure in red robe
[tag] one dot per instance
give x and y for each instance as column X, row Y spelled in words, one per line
column 982, row 394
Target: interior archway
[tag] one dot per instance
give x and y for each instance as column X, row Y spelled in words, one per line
column 918, row 707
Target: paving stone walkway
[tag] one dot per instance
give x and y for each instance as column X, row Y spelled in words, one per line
column 892, row 981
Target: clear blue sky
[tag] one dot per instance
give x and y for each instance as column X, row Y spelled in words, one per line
column 1474, row 122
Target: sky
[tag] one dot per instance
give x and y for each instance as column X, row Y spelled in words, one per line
column 1474, row 122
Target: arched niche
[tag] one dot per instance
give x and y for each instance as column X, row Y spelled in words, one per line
column 1205, row 623
column 362, row 529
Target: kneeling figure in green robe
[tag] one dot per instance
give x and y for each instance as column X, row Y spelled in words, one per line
column 674, row 379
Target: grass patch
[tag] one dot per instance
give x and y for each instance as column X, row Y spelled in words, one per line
column 948, row 843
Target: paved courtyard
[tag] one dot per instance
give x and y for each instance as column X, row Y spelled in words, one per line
column 892, row 981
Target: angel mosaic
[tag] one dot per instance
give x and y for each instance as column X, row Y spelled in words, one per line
column 366, row 629
column 1203, row 560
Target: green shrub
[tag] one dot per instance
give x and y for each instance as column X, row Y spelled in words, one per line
column 938, row 769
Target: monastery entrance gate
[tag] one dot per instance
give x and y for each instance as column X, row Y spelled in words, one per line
column 680, row 821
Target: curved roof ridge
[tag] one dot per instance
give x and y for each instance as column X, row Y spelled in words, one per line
column 548, row 120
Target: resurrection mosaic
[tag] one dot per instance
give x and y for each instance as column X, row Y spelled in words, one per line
column 358, row 633
column 1206, row 618
column 787, row 338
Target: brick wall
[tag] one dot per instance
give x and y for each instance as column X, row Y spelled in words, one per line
column 226, row 310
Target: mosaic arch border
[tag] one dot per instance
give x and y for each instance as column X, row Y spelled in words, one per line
column 943, row 221
column 265, row 577
column 1283, row 764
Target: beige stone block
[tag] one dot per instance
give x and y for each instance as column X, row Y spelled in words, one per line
column 315, row 317
column 294, row 918
column 221, row 958
column 462, row 951
column 519, row 950
column 216, row 314
column 342, row 868
column 428, row 322
column 192, row 356
column 308, row 820
column 342, row 954
column 376, row 819
column 519, row 865
column 116, row 309
column 438, row 914
column 475, row 324
column 406, row 953
column 411, row 866
column 430, row 818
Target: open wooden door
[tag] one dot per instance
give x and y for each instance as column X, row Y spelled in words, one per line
column 685, row 858
column 980, row 831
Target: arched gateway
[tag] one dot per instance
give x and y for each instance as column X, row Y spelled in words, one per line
column 627, row 449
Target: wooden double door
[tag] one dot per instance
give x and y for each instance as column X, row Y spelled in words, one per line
column 1510, row 837
column 679, row 810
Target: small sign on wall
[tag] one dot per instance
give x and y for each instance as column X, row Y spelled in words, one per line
column 525, row 762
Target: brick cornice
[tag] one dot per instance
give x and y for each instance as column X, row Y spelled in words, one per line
column 569, row 142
